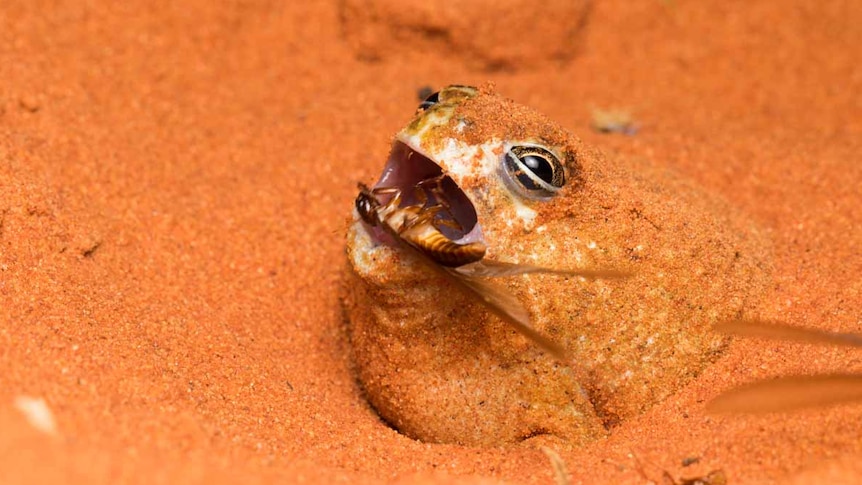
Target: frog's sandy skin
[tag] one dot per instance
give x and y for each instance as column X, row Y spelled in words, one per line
column 440, row 368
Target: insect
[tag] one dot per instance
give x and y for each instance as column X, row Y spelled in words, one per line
column 418, row 224
column 793, row 392
column 416, row 229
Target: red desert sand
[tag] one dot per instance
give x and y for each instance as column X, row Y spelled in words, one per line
column 176, row 180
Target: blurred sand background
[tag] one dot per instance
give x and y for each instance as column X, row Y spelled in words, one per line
column 175, row 180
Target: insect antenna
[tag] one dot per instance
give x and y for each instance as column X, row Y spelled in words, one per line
column 789, row 393
column 793, row 392
column 783, row 331
column 492, row 269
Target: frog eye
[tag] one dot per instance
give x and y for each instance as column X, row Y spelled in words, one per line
column 533, row 171
column 450, row 95
column 429, row 101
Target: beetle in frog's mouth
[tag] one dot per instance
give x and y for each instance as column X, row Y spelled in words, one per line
column 416, row 200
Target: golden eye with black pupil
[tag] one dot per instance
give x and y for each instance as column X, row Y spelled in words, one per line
column 533, row 172
column 429, row 101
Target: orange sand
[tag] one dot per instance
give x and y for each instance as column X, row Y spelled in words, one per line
column 175, row 179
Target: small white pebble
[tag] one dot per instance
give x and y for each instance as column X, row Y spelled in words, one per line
column 37, row 413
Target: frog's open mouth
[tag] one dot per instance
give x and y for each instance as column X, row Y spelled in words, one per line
column 418, row 177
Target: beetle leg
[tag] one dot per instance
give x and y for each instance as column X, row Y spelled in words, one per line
column 421, row 215
column 450, row 223
column 435, row 190
column 394, row 191
column 441, row 203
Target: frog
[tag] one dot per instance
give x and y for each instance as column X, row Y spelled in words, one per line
column 438, row 366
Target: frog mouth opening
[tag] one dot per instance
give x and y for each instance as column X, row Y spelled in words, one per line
column 418, row 177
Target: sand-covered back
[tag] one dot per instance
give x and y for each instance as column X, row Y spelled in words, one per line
column 175, row 183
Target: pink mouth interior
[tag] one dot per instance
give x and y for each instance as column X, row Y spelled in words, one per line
column 407, row 167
